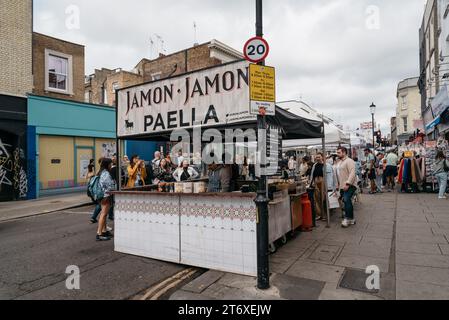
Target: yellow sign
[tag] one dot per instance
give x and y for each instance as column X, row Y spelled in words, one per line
column 262, row 84
column 408, row 154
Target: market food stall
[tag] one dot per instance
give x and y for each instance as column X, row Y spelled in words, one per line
column 186, row 224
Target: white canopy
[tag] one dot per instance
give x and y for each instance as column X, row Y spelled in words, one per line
column 333, row 134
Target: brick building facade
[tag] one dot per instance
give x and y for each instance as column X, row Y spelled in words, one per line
column 58, row 68
column 195, row 58
column 100, row 87
column 15, row 47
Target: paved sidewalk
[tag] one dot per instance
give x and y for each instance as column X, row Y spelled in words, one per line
column 405, row 235
column 21, row 209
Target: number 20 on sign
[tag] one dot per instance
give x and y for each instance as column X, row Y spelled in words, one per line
column 256, row 49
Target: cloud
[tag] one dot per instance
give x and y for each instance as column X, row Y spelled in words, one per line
column 322, row 49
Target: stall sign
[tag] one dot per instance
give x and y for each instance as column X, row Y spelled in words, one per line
column 262, row 90
column 210, row 97
column 408, row 154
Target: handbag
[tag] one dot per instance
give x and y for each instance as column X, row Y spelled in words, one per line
column 333, row 200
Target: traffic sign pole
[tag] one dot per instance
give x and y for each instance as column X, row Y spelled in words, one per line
column 263, row 273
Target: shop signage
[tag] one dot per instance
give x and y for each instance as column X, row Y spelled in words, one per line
column 211, row 97
column 440, row 102
column 256, row 49
column 262, row 90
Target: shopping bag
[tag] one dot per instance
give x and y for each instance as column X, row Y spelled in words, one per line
column 333, row 200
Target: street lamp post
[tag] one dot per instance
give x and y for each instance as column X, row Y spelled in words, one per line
column 373, row 111
column 263, row 273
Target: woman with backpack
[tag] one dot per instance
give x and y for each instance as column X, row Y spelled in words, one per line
column 441, row 173
column 107, row 184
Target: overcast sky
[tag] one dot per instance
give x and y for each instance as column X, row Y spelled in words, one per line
column 338, row 55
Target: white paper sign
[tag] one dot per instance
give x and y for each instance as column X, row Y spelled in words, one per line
column 84, row 168
column 211, row 97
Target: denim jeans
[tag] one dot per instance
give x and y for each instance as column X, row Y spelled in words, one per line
column 347, row 200
column 442, row 182
column 97, row 211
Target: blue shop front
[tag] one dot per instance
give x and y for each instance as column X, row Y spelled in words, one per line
column 62, row 138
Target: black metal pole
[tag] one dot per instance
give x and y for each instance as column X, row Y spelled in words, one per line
column 263, row 273
column 374, row 146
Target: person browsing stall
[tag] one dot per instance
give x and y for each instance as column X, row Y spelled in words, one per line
column 136, row 172
column 185, row 172
column 347, row 182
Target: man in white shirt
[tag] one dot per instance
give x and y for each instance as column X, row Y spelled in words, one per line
column 392, row 169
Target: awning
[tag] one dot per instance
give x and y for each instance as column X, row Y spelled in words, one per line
column 433, row 124
column 333, row 134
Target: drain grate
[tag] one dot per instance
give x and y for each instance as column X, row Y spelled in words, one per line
column 355, row 280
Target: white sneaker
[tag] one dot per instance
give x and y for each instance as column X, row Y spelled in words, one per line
column 352, row 222
column 442, row 198
column 345, row 223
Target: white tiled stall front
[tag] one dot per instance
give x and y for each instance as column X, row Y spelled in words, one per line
column 215, row 231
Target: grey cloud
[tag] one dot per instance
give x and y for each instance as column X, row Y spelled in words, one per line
column 321, row 49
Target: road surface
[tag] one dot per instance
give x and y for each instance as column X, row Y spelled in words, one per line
column 35, row 252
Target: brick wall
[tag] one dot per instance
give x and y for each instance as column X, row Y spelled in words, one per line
column 197, row 58
column 42, row 42
column 106, row 78
column 192, row 59
column 96, row 83
column 123, row 79
column 15, row 47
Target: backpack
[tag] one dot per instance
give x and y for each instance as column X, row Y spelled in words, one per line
column 94, row 190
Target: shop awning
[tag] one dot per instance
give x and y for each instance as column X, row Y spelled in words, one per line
column 333, row 134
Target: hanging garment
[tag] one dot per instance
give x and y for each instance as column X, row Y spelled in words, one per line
column 404, row 173
column 413, row 171
column 407, row 171
column 418, row 171
column 401, row 171
column 423, row 169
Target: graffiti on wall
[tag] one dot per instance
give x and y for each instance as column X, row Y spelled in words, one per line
column 13, row 177
column 6, row 165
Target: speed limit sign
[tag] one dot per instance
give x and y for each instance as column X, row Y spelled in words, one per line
column 256, row 49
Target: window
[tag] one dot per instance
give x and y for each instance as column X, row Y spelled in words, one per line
column 88, row 96
column 404, row 102
column 58, row 72
column 405, row 121
column 105, row 95
column 156, row 76
column 115, row 87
